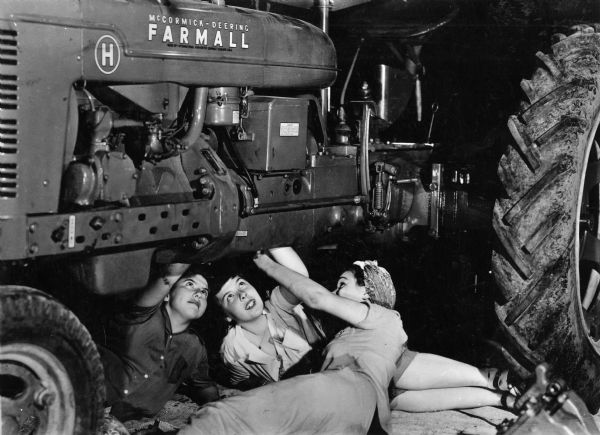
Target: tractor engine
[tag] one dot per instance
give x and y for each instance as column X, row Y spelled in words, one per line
column 184, row 130
column 132, row 158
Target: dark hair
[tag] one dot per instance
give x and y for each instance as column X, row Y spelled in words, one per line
column 194, row 269
column 220, row 280
column 358, row 273
column 223, row 270
column 216, row 274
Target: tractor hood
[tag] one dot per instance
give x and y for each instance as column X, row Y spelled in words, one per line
column 188, row 42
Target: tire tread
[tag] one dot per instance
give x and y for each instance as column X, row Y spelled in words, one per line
column 22, row 306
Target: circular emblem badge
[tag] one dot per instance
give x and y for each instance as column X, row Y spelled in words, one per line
column 107, row 54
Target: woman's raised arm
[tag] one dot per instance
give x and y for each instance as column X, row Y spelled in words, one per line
column 286, row 256
column 160, row 285
column 311, row 293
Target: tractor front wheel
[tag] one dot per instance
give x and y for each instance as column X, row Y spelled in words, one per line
column 51, row 377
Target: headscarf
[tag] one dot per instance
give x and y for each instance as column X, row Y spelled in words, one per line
column 378, row 283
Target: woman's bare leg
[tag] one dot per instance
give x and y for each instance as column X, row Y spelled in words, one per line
column 446, row 398
column 434, row 371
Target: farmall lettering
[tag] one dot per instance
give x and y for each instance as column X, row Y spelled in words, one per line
column 107, row 54
column 197, row 33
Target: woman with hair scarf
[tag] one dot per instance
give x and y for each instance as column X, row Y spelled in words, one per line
column 424, row 381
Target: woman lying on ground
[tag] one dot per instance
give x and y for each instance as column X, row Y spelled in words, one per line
column 261, row 348
column 423, row 381
column 358, row 367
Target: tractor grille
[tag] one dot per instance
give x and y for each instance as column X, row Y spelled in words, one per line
column 8, row 114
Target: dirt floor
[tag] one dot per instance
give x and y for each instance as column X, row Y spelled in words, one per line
column 479, row 421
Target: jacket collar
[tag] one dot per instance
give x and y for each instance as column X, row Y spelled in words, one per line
column 244, row 349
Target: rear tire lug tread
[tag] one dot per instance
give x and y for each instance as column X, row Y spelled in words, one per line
column 557, row 37
column 506, row 174
column 545, row 112
column 524, row 144
column 509, row 284
column 540, row 84
column 549, row 62
column 566, row 122
column 542, row 233
column 544, row 183
column 521, row 261
column 519, row 305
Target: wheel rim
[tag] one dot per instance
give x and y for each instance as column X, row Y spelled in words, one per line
column 36, row 391
column 587, row 244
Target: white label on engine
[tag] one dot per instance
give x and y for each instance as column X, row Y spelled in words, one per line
column 241, row 233
column 289, row 129
column 71, row 238
column 236, row 116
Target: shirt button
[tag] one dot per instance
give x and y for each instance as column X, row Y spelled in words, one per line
column 162, row 357
column 146, row 376
column 126, row 391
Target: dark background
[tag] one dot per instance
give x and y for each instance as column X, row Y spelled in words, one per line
column 471, row 67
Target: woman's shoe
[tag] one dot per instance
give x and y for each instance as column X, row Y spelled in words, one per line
column 508, row 401
column 505, row 380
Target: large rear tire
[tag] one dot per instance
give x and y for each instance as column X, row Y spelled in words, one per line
column 548, row 223
column 51, row 377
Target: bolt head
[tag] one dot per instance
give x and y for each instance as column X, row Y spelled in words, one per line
column 44, row 398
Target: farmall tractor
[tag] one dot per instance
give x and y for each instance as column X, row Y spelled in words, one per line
column 134, row 131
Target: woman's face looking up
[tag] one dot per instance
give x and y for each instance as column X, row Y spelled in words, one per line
column 240, row 300
column 348, row 287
